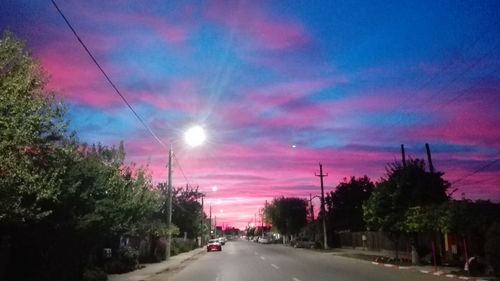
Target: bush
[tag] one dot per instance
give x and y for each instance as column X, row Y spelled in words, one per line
column 126, row 259
column 492, row 247
column 95, row 274
column 180, row 246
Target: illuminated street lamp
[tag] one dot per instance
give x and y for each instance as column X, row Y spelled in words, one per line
column 194, row 136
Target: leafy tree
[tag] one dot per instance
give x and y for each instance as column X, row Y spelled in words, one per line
column 492, row 247
column 396, row 205
column 287, row 214
column 470, row 219
column 344, row 206
column 250, row 232
column 32, row 126
column 187, row 212
column 402, row 189
column 60, row 202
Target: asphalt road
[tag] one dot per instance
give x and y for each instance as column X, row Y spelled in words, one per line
column 248, row 261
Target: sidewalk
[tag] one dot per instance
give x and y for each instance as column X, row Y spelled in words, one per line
column 450, row 272
column 152, row 269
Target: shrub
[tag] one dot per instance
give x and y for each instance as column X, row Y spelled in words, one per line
column 492, row 247
column 95, row 274
column 126, row 259
column 180, row 246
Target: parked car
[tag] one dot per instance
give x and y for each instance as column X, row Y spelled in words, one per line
column 214, row 245
column 302, row 243
column 222, row 240
column 265, row 240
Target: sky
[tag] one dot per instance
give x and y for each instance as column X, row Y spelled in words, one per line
column 279, row 86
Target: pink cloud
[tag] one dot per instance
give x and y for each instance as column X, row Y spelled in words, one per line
column 267, row 32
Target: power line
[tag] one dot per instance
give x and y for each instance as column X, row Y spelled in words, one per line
column 107, row 77
column 182, row 171
column 141, row 120
column 480, row 169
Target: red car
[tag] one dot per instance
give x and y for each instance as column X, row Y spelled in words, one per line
column 214, row 245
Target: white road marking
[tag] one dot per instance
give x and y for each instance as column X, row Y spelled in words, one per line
column 275, row 266
column 295, row 279
column 262, row 258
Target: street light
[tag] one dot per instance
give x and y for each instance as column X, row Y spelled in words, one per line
column 194, row 136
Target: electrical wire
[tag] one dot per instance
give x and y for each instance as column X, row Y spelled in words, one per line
column 108, row 78
column 117, row 91
column 478, row 170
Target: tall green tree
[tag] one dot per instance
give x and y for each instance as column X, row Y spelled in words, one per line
column 405, row 201
column 187, row 213
column 287, row 214
column 403, row 187
column 344, row 206
column 32, row 126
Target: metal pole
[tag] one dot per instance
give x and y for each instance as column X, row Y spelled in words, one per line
column 169, row 202
column 325, row 239
column 202, row 232
column 262, row 223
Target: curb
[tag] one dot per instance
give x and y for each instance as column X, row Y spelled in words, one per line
column 435, row 273
column 153, row 269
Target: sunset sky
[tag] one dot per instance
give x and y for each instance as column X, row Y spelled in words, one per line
column 279, row 86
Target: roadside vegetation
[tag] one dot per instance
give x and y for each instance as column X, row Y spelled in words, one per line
column 409, row 211
column 70, row 210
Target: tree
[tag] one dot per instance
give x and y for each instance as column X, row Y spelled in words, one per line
column 492, row 247
column 32, row 127
column 403, row 188
column 61, row 202
column 287, row 214
column 344, row 206
column 395, row 204
column 187, row 212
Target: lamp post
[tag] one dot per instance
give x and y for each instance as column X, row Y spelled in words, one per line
column 194, row 136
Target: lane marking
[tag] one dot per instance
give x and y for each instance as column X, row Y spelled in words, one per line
column 262, row 258
column 275, row 266
column 295, row 279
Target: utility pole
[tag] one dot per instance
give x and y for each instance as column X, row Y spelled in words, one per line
column 210, row 230
column 169, row 203
column 429, row 159
column 202, row 217
column 321, row 176
column 262, row 223
column 215, row 228
column 263, row 213
column 403, row 155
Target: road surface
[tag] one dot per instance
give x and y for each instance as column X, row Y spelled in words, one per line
column 248, row 261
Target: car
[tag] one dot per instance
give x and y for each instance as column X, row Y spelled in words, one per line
column 265, row 240
column 214, row 245
column 222, row 240
column 302, row 243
